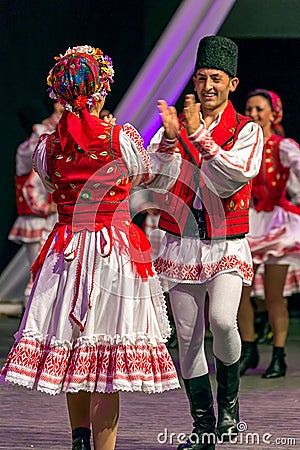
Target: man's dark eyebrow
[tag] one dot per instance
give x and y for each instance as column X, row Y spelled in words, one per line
column 215, row 74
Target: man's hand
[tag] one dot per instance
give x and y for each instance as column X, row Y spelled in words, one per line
column 109, row 119
column 192, row 114
column 169, row 119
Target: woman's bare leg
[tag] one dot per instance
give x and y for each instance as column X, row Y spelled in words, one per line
column 79, row 409
column 274, row 281
column 104, row 417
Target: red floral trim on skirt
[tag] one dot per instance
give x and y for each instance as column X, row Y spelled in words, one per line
column 199, row 272
column 99, row 367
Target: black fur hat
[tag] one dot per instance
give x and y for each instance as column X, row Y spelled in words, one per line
column 217, row 52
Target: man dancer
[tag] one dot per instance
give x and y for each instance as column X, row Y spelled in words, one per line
column 205, row 215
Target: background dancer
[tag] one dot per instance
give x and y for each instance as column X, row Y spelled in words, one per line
column 274, row 235
column 34, row 203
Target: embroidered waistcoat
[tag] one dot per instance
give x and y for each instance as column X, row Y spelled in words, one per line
column 270, row 184
column 89, row 185
column 224, row 217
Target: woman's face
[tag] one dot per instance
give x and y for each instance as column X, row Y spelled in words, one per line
column 259, row 109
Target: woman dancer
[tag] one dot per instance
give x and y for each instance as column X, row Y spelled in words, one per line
column 96, row 320
column 274, row 235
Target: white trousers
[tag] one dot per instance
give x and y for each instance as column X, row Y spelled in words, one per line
column 187, row 302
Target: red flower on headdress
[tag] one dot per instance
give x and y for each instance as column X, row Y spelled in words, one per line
column 80, row 102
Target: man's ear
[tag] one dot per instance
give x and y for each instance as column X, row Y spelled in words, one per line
column 233, row 84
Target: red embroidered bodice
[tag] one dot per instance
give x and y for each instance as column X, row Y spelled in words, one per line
column 90, row 185
column 270, row 183
column 91, row 190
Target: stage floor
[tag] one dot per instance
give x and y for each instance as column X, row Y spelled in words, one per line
column 269, row 409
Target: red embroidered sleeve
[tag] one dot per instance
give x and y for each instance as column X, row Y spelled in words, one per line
column 167, row 145
column 139, row 142
column 204, row 143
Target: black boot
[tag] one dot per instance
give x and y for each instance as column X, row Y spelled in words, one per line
column 227, row 398
column 277, row 368
column 81, row 439
column 249, row 358
column 200, row 397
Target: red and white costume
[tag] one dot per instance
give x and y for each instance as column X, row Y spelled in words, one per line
column 205, row 216
column 228, row 157
column 96, row 319
column 32, row 198
column 274, row 235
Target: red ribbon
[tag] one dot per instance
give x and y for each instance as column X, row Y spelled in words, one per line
column 80, row 128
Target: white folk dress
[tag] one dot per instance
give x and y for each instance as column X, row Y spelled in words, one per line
column 114, row 340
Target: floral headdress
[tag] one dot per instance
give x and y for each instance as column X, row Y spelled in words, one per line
column 80, row 77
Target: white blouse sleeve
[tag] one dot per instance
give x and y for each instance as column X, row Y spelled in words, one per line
column 228, row 171
column 289, row 154
column 36, row 194
column 293, row 188
column 136, row 157
column 24, row 155
column 40, row 164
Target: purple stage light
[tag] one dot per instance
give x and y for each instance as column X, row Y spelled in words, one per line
column 170, row 65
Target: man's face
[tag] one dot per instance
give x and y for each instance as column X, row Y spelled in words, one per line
column 213, row 87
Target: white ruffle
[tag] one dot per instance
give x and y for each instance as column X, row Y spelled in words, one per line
column 190, row 260
column 274, row 234
column 27, row 229
column 85, row 341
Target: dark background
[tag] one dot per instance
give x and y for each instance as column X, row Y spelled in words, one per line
column 33, row 32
